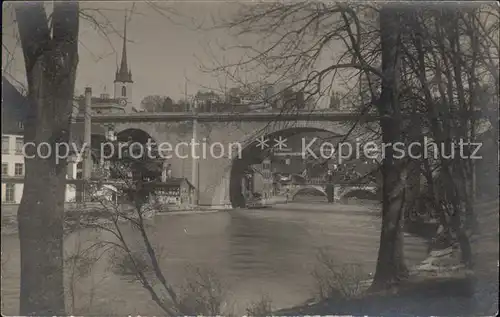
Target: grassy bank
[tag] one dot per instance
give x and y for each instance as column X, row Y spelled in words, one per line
column 439, row 286
column 419, row 296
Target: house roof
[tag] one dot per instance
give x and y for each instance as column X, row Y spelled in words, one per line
column 15, row 109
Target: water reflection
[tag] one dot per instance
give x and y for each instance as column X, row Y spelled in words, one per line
column 260, row 245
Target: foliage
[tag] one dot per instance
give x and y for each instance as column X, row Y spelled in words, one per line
column 156, row 103
column 262, row 307
column 202, row 293
column 127, row 264
column 79, row 265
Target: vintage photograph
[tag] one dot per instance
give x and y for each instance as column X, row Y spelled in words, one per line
column 250, row 158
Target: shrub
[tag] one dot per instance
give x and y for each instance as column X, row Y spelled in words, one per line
column 262, row 307
column 335, row 281
column 201, row 294
column 129, row 264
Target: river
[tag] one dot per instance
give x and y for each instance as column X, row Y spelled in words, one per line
column 258, row 252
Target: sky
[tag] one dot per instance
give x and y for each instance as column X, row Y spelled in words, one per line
column 165, row 49
column 167, row 46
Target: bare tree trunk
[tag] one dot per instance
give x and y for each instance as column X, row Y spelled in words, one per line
column 413, row 206
column 51, row 58
column 390, row 263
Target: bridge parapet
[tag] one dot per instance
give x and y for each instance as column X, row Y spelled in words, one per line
column 318, row 115
column 314, row 115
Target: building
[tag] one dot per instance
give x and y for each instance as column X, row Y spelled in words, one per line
column 173, row 194
column 14, row 110
column 335, row 101
column 269, row 94
column 369, row 85
column 207, row 101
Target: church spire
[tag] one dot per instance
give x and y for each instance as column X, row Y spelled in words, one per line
column 123, row 74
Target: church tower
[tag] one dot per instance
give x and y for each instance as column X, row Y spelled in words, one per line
column 123, row 78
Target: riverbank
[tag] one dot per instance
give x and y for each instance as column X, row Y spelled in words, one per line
column 9, row 214
column 455, row 294
column 346, row 206
column 416, row 297
column 440, row 285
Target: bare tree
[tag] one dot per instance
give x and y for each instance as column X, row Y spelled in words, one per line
column 413, row 44
column 390, row 264
column 156, row 103
column 447, row 67
column 136, row 180
column 153, row 103
column 296, row 38
column 50, row 49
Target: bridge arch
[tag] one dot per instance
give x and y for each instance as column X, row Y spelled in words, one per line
column 171, row 132
column 272, row 130
column 149, row 166
column 362, row 192
column 302, row 188
column 134, row 134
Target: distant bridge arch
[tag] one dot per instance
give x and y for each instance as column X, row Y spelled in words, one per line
column 300, row 188
column 365, row 192
column 253, row 151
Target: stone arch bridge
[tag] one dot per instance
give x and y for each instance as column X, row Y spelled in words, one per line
column 232, row 138
column 340, row 192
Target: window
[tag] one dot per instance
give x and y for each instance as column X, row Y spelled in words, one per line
column 9, row 193
column 18, row 169
column 124, row 91
column 79, row 170
column 5, row 169
column 20, row 125
column 5, row 144
column 19, row 145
